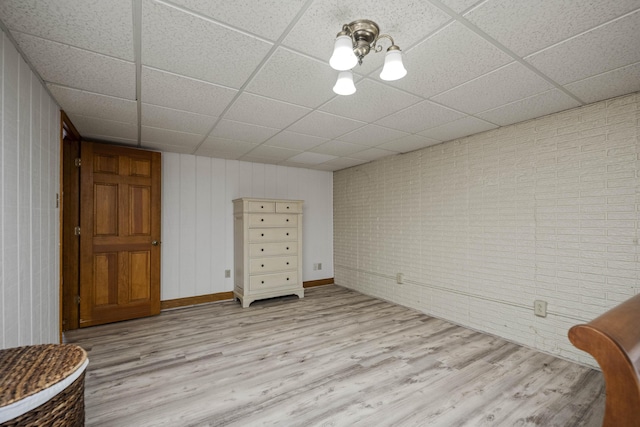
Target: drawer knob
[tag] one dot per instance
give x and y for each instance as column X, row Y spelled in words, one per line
column 262, row 282
column 287, row 234
column 261, row 207
column 287, row 207
column 287, row 247
column 262, row 265
column 287, row 278
column 287, row 219
column 287, row 262
column 262, row 250
column 262, row 219
column 262, row 234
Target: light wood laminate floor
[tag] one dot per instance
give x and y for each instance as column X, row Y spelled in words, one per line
column 335, row 358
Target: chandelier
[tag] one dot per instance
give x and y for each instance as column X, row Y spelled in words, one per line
column 353, row 43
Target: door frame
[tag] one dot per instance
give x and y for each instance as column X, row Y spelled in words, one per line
column 66, row 128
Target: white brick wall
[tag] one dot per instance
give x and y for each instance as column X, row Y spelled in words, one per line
column 481, row 226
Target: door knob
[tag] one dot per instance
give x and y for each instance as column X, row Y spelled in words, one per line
column 155, row 243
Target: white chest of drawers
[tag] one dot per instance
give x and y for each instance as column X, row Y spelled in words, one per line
column 267, row 249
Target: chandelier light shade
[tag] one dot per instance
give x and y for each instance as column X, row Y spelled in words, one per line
column 343, row 57
column 393, row 68
column 344, row 85
column 352, row 44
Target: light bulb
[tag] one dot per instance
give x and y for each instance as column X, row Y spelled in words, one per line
column 393, row 68
column 343, row 57
column 344, row 85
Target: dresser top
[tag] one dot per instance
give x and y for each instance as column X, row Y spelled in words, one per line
column 257, row 199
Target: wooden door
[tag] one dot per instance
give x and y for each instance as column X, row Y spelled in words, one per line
column 119, row 234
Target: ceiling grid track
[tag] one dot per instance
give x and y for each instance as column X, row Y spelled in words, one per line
column 137, row 55
column 464, row 21
column 275, row 46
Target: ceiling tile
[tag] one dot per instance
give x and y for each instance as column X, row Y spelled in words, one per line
column 371, row 101
column 182, row 149
column 294, row 78
column 105, row 129
column 181, row 121
column 258, row 110
column 170, row 137
column 342, row 163
column 603, row 49
column 94, row 105
column 447, row 59
column 179, row 42
column 538, row 105
column 499, row 87
column 323, row 167
column 264, row 160
column 325, row 125
column 399, row 19
column 372, row 135
column 294, row 141
column 291, row 164
column 309, row 158
column 372, row 154
column 460, row 6
column 266, row 18
column 420, row 117
column 221, row 145
column 528, row 26
column 82, row 69
column 96, row 25
column 183, row 93
column 228, row 129
column 458, row 128
column 408, row 143
column 271, row 153
column 607, row 85
column 207, row 152
column 337, row 148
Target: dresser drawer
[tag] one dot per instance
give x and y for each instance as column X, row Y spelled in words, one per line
column 258, row 250
column 283, row 207
column 273, row 264
column 261, row 206
column 269, row 281
column 272, row 234
column 273, row 220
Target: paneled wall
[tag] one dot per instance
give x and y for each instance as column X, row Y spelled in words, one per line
column 482, row 226
column 197, row 218
column 29, row 225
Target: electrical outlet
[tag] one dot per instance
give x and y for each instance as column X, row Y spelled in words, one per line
column 399, row 278
column 540, row 308
column 319, row 266
column 227, row 274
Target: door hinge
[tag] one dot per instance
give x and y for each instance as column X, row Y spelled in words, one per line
column 78, row 162
column 76, row 231
column 78, row 299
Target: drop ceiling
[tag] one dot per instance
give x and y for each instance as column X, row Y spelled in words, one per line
column 250, row 80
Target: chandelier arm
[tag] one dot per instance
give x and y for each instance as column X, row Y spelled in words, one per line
column 376, row 47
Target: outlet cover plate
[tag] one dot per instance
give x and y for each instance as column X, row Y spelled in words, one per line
column 540, row 308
